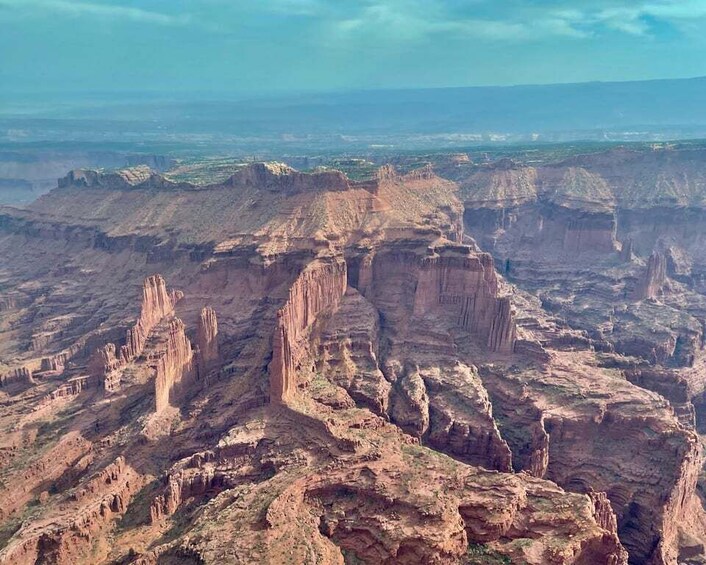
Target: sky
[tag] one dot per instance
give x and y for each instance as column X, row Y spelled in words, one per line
column 275, row 46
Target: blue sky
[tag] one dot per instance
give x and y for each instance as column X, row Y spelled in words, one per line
column 283, row 45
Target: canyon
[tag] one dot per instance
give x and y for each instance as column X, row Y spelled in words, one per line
column 462, row 361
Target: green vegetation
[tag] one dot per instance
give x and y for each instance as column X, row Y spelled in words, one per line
column 205, row 171
column 481, row 554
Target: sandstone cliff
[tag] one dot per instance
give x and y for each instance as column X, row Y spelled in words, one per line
column 654, row 278
column 317, row 289
column 207, row 342
column 172, row 361
column 451, row 282
column 157, row 304
column 372, row 390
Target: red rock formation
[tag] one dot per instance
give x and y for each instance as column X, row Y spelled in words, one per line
column 369, row 493
column 318, row 288
column 105, row 365
column 187, row 484
column 133, row 178
column 385, row 379
column 67, row 537
column 17, row 375
column 587, row 232
column 627, row 252
column 280, row 177
column 207, row 342
column 648, row 519
column 173, row 364
column 19, row 487
column 57, row 362
column 71, row 388
column 605, row 517
column 54, row 363
column 157, row 304
column 654, row 278
column 462, row 287
column 348, row 354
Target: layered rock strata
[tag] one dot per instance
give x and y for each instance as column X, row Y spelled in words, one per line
column 157, row 304
column 396, row 361
column 207, row 342
column 317, row 289
column 173, row 364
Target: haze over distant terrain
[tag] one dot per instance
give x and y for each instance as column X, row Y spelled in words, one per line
column 341, row 75
column 648, row 110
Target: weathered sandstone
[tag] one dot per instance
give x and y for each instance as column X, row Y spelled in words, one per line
column 350, row 374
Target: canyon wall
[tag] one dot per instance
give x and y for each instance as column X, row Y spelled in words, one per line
column 207, row 342
column 174, row 364
column 451, row 282
column 394, row 376
column 466, row 288
column 318, row 288
column 157, row 304
column 654, row 278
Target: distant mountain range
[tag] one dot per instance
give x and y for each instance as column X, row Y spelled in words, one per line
column 644, row 110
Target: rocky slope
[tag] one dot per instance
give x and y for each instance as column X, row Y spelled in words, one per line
column 340, row 376
column 29, row 170
column 610, row 243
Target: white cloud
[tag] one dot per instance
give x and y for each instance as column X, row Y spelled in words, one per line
column 399, row 22
column 632, row 17
column 92, row 9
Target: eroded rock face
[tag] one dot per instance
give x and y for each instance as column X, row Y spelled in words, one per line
column 466, row 287
column 642, row 307
column 68, row 539
column 453, row 283
column 157, row 304
column 174, row 363
column 654, row 278
column 17, row 375
column 207, row 342
column 343, row 380
column 317, row 289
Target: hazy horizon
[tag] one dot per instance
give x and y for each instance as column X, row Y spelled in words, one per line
column 236, row 95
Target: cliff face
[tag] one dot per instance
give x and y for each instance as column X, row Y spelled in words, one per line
column 642, row 307
column 157, row 304
column 207, row 342
column 17, row 375
column 466, row 288
column 453, row 283
column 654, row 278
column 567, row 234
column 343, row 380
column 318, row 288
column 281, row 178
column 174, row 363
column 569, row 209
